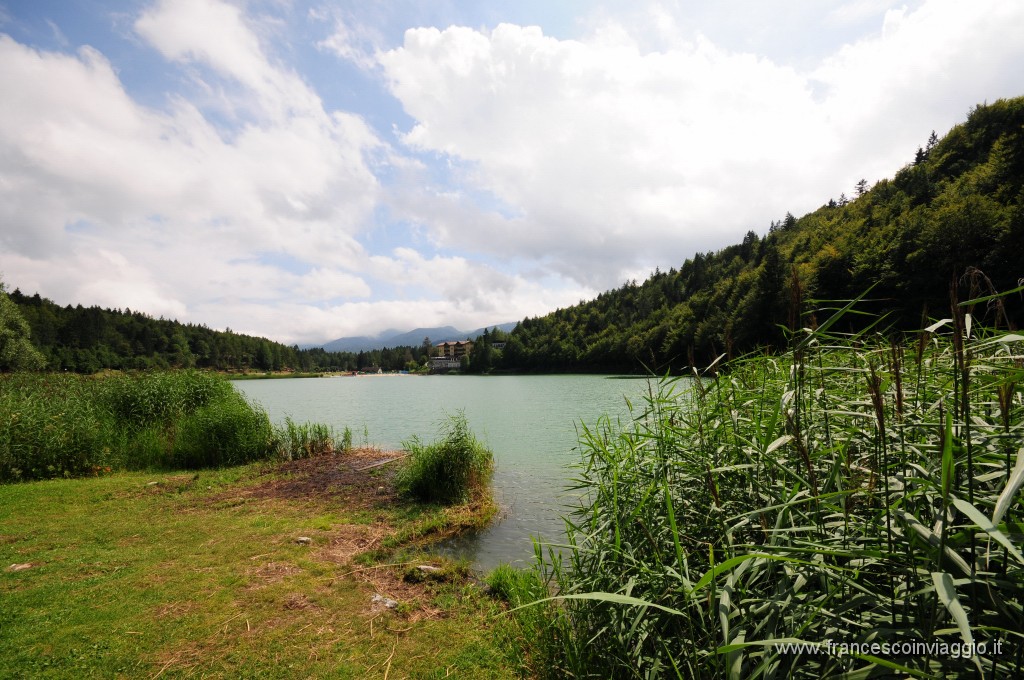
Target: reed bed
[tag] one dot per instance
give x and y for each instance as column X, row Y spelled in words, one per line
column 778, row 516
column 449, row 470
column 60, row 425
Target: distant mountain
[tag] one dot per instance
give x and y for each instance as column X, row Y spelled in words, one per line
column 413, row 338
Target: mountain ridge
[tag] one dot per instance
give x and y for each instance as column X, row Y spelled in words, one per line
column 413, row 338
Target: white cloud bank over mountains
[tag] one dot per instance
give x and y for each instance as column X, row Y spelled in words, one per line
column 537, row 170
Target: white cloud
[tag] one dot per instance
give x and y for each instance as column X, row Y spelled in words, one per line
column 214, row 33
column 294, row 321
column 539, row 171
column 351, row 41
column 924, row 71
column 84, row 166
column 610, row 156
column 861, row 10
column 330, row 284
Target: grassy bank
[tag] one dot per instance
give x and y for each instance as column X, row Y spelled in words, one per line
column 308, row 562
column 852, row 491
column 283, row 375
column 61, row 425
column 204, row 574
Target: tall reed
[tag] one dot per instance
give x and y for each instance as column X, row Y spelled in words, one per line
column 849, row 491
column 305, row 440
column 54, row 425
column 448, row 470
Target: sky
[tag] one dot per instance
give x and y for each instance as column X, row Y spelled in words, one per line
column 305, row 171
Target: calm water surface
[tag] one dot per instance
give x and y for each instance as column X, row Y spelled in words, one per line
column 530, row 422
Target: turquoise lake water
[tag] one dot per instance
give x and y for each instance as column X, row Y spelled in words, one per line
column 530, row 422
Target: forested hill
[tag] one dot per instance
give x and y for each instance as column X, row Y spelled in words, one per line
column 88, row 339
column 957, row 207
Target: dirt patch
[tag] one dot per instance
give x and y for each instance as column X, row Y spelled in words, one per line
column 299, row 601
column 363, row 481
column 413, row 599
column 359, row 479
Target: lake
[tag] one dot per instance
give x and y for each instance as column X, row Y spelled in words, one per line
column 530, row 422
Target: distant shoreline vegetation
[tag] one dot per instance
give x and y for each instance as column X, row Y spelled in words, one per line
column 90, row 339
column 270, row 376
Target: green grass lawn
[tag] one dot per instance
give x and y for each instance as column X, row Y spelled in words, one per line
column 200, row 574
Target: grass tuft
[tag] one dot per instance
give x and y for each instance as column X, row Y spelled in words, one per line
column 305, row 440
column 449, row 470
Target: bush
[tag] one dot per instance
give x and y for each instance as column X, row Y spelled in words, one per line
column 54, row 425
column 141, row 399
column 50, row 426
column 449, row 470
column 228, row 432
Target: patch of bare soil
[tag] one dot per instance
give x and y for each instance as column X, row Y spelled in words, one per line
column 299, row 601
column 359, row 479
column 271, row 572
column 362, row 479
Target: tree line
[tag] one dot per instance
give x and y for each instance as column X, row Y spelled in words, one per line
column 89, row 339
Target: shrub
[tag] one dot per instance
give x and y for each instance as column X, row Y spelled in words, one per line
column 142, row 399
column 228, row 432
column 50, row 426
column 54, row 425
column 449, row 470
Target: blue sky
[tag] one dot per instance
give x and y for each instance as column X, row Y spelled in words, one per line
column 310, row 170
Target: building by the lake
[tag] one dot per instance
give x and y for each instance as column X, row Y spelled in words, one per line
column 448, row 355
